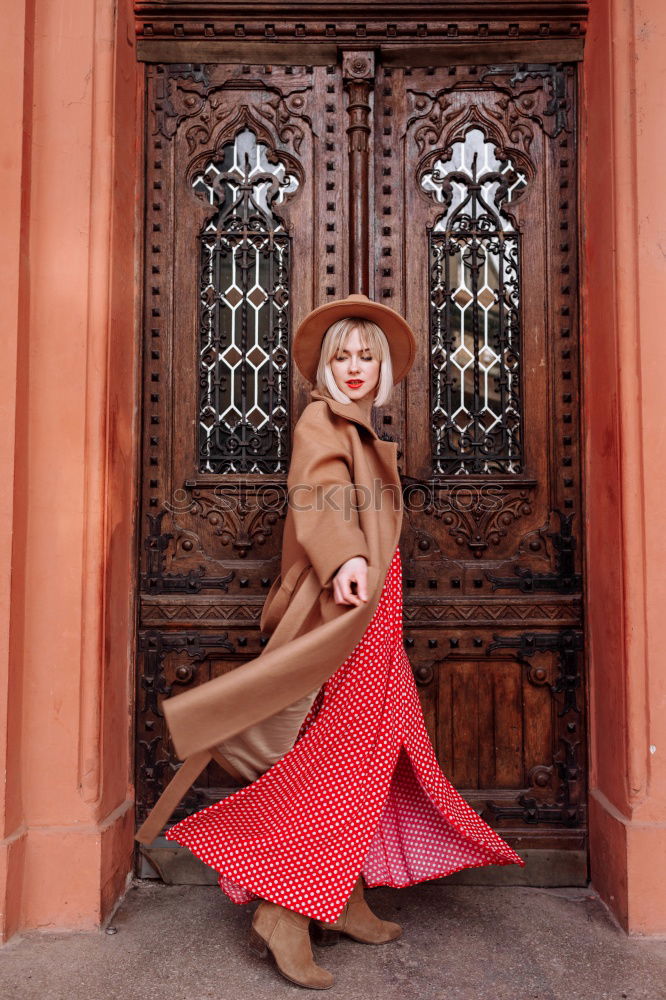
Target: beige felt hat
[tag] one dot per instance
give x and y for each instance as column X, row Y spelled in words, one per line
column 308, row 338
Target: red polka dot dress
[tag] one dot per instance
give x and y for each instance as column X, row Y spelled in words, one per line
column 360, row 791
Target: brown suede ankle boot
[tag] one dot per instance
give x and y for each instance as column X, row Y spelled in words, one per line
column 285, row 934
column 357, row 921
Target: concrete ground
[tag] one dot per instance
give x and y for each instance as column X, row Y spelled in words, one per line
column 460, row 942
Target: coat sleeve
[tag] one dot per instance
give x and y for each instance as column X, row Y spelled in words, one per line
column 322, row 497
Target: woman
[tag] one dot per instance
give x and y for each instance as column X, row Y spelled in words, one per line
column 344, row 788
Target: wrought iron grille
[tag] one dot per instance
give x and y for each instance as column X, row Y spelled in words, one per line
column 474, row 256
column 245, row 256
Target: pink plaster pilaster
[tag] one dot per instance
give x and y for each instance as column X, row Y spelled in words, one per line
column 624, row 203
column 66, row 679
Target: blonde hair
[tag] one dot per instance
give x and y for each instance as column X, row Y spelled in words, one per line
column 372, row 337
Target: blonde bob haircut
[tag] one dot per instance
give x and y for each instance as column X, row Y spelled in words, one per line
column 372, row 338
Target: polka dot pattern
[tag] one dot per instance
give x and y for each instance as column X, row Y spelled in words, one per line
column 360, row 791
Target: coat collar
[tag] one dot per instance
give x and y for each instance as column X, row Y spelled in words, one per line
column 349, row 410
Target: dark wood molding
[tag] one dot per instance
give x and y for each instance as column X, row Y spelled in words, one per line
column 196, row 50
column 482, row 52
column 321, row 25
column 462, row 9
column 426, row 53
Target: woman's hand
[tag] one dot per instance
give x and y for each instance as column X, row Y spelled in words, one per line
column 354, row 571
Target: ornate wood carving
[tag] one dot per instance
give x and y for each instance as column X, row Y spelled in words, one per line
column 243, row 515
column 475, row 514
column 564, row 579
column 358, row 72
column 485, row 20
column 421, row 611
column 156, row 581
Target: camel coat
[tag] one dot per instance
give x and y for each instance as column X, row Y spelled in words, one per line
column 344, row 500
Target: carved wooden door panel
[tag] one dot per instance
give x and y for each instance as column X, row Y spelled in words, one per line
column 476, row 244
column 245, row 207
column 458, row 186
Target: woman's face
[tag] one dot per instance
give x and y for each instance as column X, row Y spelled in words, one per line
column 355, row 369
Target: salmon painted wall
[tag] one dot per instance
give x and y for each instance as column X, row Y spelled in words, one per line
column 624, row 203
column 68, row 437
column 69, row 185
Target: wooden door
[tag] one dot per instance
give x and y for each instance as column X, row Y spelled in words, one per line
column 476, row 243
column 449, row 194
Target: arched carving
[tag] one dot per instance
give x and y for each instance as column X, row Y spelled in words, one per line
column 530, row 93
column 454, row 129
column 237, row 119
column 186, row 93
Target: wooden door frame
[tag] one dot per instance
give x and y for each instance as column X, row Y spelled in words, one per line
column 181, row 40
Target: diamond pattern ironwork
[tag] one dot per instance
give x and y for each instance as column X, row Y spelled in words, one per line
column 475, row 311
column 245, row 257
